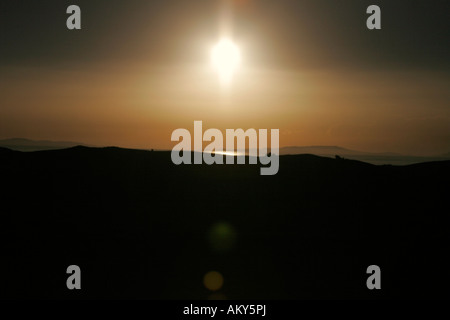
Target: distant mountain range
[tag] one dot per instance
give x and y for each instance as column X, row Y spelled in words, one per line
column 330, row 150
column 20, row 144
column 374, row 158
column 384, row 158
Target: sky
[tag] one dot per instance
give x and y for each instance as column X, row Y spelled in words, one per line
column 138, row 70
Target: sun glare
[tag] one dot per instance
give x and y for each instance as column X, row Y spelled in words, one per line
column 225, row 57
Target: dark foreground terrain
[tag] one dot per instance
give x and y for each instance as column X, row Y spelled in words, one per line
column 141, row 227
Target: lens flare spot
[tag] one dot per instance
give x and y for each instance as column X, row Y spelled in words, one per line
column 213, row 280
column 222, row 237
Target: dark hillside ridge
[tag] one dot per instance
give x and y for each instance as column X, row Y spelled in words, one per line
column 140, row 226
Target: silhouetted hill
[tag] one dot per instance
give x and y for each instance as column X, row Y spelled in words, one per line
column 370, row 157
column 20, row 144
column 5, row 151
column 141, row 227
column 326, row 150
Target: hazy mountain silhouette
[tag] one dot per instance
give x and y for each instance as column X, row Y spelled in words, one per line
column 329, row 150
column 21, row 144
column 370, row 157
column 141, row 227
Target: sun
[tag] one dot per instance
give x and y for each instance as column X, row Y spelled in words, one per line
column 225, row 58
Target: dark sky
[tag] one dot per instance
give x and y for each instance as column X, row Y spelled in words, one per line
column 324, row 33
